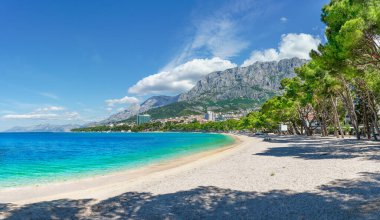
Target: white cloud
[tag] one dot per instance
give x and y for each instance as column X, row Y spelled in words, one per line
column 291, row 45
column 49, row 95
column 283, row 19
column 44, row 116
column 51, row 108
column 180, row 78
column 30, row 116
column 219, row 37
column 212, row 39
column 124, row 100
column 218, row 33
column 45, row 113
column 71, row 115
column 121, row 109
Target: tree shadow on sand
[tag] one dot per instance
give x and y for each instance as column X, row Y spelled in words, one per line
column 341, row 199
column 57, row 209
column 323, row 148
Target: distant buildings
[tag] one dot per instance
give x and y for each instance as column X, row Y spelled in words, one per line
column 142, row 119
column 210, row 116
column 219, row 117
column 183, row 119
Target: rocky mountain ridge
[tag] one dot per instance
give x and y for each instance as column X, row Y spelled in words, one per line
column 152, row 102
column 255, row 81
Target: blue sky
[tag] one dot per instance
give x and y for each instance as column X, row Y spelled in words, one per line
column 79, row 61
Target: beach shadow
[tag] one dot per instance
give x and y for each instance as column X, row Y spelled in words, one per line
column 323, row 148
column 57, row 209
column 6, row 208
column 341, row 199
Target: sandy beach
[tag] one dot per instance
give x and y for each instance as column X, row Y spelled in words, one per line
column 284, row 178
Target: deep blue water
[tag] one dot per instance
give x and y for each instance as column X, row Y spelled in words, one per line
column 31, row 158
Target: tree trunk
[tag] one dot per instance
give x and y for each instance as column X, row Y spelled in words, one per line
column 336, row 117
column 296, row 131
column 322, row 122
column 368, row 108
column 348, row 101
column 323, row 126
column 367, row 128
column 372, row 107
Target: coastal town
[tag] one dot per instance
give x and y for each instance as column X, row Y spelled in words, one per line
column 209, row 116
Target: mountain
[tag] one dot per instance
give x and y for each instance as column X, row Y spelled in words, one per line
column 234, row 89
column 152, row 102
column 257, row 81
column 185, row 108
column 157, row 101
column 120, row 116
column 44, row 128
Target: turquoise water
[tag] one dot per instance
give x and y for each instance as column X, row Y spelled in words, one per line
column 33, row 158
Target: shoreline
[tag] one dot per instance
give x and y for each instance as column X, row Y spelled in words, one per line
column 97, row 184
column 286, row 177
column 122, row 168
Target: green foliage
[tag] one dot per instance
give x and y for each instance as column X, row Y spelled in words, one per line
column 173, row 110
column 346, row 128
column 169, row 126
column 373, row 81
column 179, row 109
column 102, row 128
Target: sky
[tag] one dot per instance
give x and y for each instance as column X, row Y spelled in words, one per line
column 74, row 62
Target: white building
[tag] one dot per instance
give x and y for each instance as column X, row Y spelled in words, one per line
column 210, row 116
column 142, row 119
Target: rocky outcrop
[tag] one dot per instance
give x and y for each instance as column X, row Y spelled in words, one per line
column 152, row 102
column 120, row 116
column 256, row 81
column 157, row 101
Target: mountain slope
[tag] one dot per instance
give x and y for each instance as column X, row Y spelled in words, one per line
column 257, row 81
column 120, row 116
column 152, row 102
column 157, row 101
column 44, row 128
column 184, row 108
column 233, row 89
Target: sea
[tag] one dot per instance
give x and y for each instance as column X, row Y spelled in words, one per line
column 36, row 158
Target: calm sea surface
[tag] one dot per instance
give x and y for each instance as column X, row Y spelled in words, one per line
column 32, row 158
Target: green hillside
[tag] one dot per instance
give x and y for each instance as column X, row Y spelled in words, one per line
column 200, row 107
